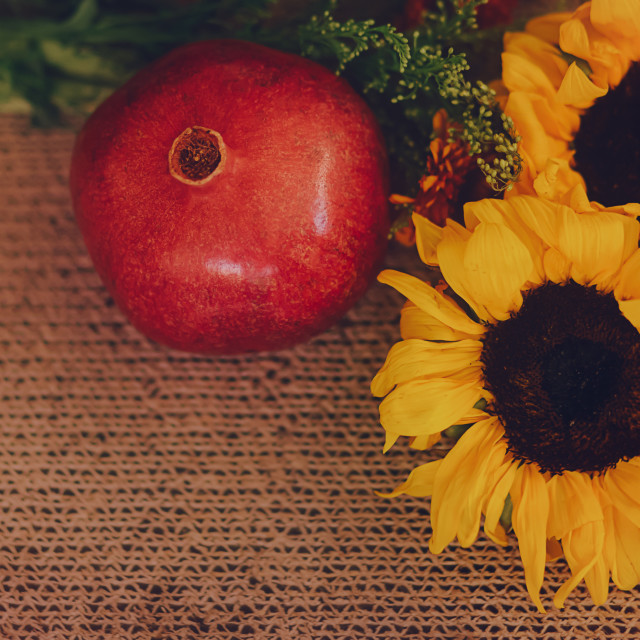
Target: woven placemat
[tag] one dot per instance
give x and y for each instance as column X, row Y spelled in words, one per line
column 150, row 494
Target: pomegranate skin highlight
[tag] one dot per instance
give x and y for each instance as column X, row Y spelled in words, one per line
column 233, row 198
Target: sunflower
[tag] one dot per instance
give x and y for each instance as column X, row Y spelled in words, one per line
column 571, row 85
column 535, row 348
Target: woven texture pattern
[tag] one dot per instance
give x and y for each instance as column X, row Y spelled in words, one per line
column 149, row 494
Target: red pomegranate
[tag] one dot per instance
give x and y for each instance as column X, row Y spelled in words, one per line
column 232, row 197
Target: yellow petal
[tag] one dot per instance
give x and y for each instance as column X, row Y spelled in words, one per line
column 536, row 119
column 573, row 503
column 422, row 443
column 582, row 548
column 618, row 20
column 428, row 235
column 428, row 299
column 501, row 485
column 473, row 415
column 524, row 184
column 451, row 253
column 577, row 90
column 621, row 485
column 560, row 183
column 556, row 266
column 621, row 548
column 520, row 74
column 547, row 27
column 423, row 407
column 631, row 311
column 507, row 212
column 625, row 569
column 416, row 323
column 554, row 550
column 534, row 50
column 497, row 266
column 460, row 483
column 574, row 38
column 597, row 581
column 419, row 483
column 389, row 440
column 579, row 38
column 530, row 512
column 412, row 359
column 627, row 286
column 597, row 243
column 539, row 216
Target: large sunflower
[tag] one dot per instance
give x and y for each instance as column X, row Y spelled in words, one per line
column 535, row 344
column 571, row 84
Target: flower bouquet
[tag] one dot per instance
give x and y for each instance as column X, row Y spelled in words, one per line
column 529, row 346
column 517, row 185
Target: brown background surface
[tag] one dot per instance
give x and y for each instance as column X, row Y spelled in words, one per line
column 149, row 494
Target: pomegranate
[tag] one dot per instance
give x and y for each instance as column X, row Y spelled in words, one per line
column 232, row 197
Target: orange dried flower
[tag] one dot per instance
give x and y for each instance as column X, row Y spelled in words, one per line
column 445, row 173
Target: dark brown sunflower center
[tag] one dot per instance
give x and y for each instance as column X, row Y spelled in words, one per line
column 565, row 376
column 607, row 145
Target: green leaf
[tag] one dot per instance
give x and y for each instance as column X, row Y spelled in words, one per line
column 507, row 512
column 84, row 16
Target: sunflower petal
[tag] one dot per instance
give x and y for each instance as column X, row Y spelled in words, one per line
column 554, row 550
column 530, row 512
column 389, row 440
column 416, row 323
column 576, row 517
column 422, row 443
column 556, row 266
column 502, row 481
column 597, row 243
column 451, row 259
column 579, row 38
column 618, row 20
column 597, row 581
column 421, row 407
column 577, row 90
column 460, row 483
column 547, row 27
column 521, row 74
column 507, row 212
column 582, row 548
column 573, row 503
column 433, row 302
column 428, row 235
column 534, row 118
column 497, row 266
column 625, row 569
column 631, row 311
column 419, row 483
column 535, row 50
column 628, row 285
column 412, row 359
column 621, row 485
column 560, row 183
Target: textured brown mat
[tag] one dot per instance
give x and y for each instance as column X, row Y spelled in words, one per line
column 149, row 494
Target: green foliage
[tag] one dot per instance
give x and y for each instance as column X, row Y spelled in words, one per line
column 413, row 77
column 347, row 40
column 74, row 63
column 71, row 58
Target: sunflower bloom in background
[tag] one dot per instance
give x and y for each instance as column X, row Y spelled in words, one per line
column 535, row 347
column 571, row 85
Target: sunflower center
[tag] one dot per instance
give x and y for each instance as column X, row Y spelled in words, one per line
column 607, row 145
column 565, row 376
